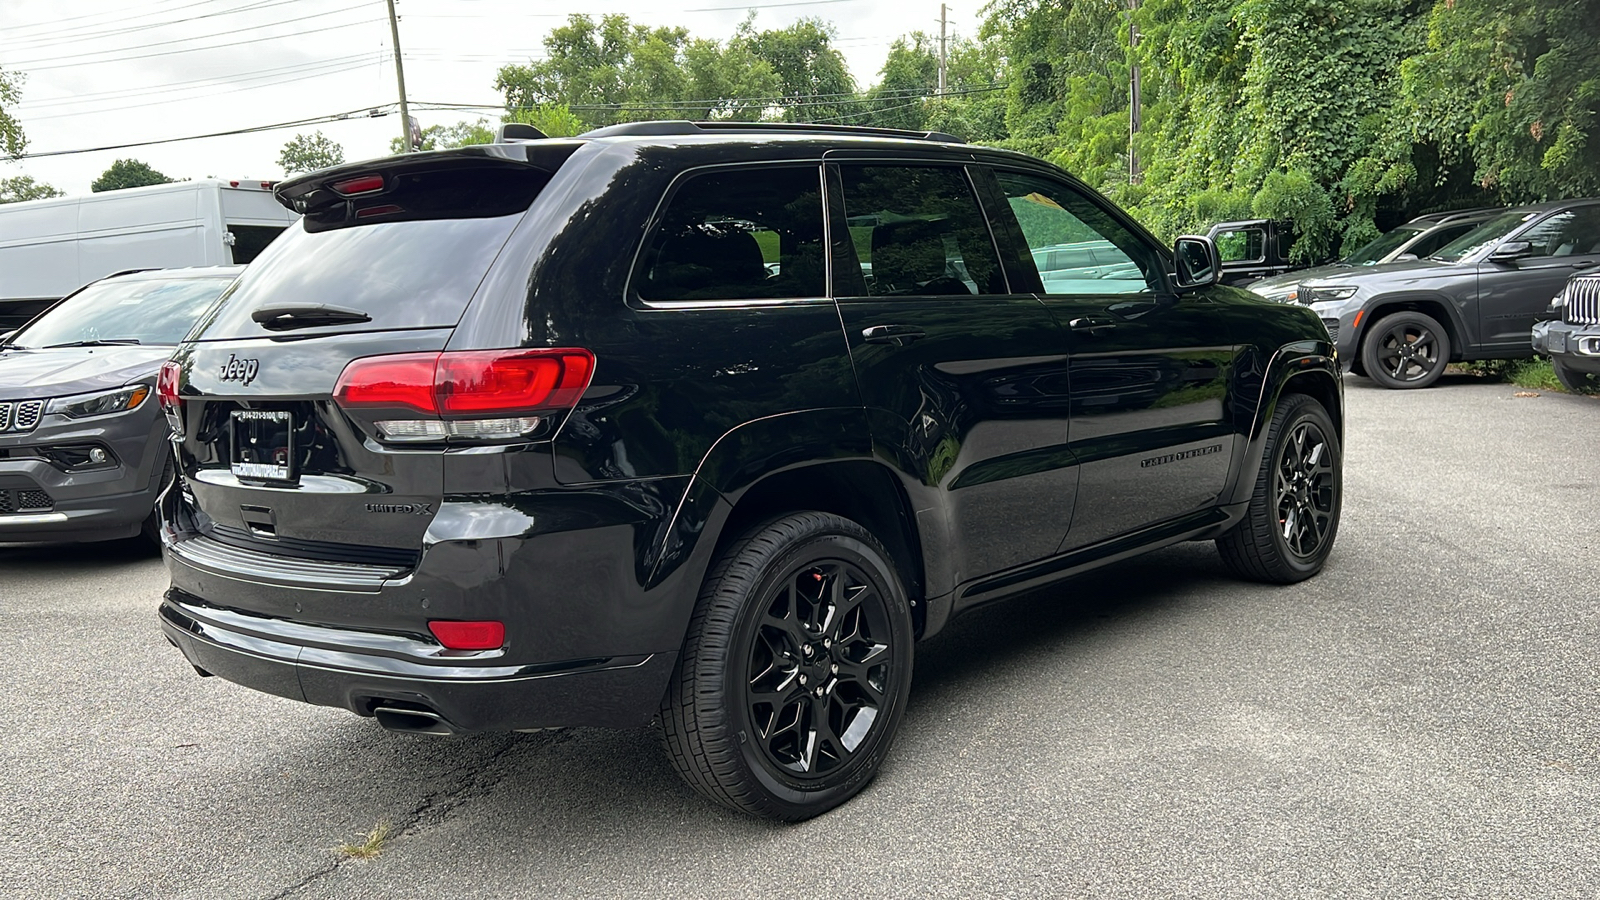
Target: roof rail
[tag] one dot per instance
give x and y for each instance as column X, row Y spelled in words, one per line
column 684, row 127
column 1445, row 215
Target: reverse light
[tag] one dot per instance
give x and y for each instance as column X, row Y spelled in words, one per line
column 481, row 635
column 104, row 403
column 470, row 395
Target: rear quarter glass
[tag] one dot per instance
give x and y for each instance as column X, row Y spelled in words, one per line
column 414, row 269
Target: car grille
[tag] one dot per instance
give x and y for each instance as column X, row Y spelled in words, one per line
column 1333, row 329
column 20, row 415
column 1583, row 301
column 24, row 501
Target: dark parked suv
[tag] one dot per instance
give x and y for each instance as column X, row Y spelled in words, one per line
column 709, row 423
column 1402, row 323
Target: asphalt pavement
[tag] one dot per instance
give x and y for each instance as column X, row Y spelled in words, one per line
column 1417, row 721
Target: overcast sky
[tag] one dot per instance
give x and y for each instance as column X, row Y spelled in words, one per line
column 105, row 72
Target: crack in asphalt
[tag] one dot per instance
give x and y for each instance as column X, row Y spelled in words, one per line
column 466, row 782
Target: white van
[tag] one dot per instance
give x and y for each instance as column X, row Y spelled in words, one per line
column 50, row 248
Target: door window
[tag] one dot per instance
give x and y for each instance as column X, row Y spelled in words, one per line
column 917, row 231
column 1076, row 245
column 1573, row 232
column 738, row 234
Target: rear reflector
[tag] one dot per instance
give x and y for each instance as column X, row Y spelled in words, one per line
column 475, row 384
column 469, row 635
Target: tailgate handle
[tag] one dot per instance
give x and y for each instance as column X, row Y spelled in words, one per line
column 261, row 521
column 898, row 335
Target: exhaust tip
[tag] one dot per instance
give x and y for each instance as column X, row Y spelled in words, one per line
column 413, row 721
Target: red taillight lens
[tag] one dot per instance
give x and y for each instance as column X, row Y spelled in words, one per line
column 469, row 635
column 361, row 184
column 167, row 384
column 504, row 382
column 404, row 380
column 472, row 382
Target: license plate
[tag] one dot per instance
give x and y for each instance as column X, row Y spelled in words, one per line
column 1558, row 342
column 263, row 444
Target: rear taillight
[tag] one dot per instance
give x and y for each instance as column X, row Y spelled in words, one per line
column 167, row 384
column 167, row 394
column 470, row 395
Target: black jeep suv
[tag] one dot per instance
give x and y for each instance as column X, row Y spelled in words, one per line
column 708, row 423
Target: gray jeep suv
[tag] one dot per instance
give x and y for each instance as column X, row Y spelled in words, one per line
column 83, row 448
column 1401, row 323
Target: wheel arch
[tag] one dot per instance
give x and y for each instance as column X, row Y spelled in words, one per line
column 1300, row 368
column 1434, row 305
column 864, row 491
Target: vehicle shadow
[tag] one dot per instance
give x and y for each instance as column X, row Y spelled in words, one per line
column 98, row 555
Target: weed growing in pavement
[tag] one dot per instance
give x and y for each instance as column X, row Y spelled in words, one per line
column 367, row 849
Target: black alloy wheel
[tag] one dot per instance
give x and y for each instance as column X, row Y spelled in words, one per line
column 1574, row 380
column 1405, row 350
column 795, row 672
column 1289, row 527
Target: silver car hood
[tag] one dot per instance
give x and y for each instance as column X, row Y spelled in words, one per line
column 61, row 372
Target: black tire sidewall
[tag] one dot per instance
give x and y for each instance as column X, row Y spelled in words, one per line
column 1372, row 342
column 1305, row 408
column 1573, row 380
column 807, row 796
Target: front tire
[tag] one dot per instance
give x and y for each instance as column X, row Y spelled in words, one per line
column 1293, row 516
column 1574, row 380
column 795, row 671
column 1405, row 350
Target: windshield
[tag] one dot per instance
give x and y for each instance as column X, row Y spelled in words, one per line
column 144, row 311
column 1480, row 237
column 1388, row 242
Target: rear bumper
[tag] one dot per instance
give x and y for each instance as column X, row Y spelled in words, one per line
column 471, row 691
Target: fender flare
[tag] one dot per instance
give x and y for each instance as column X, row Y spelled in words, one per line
column 1307, row 363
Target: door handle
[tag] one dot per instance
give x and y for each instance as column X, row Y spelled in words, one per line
column 1092, row 324
column 898, row 335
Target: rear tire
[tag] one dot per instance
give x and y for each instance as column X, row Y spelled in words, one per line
column 795, row 670
column 1405, row 350
column 1575, row 381
column 1293, row 516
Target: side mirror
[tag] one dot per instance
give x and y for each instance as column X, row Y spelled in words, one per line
column 1197, row 261
column 1406, row 257
column 1511, row 251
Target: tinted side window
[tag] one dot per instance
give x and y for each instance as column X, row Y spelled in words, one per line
column 738, row 234
column 918, row 230
column 1076, row 246
column 1574, row 232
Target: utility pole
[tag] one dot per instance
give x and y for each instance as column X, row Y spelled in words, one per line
column 400, row 74
column 1135, row 174
column 942, row 23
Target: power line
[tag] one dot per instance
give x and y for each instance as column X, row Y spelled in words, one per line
column 113, row 15
column 35, row 43
column 62, row 63
column 348, row 66
column 173, row 87
column 370, row 112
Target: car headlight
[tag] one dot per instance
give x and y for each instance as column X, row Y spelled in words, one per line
column 1322, row 294
column 82, row 406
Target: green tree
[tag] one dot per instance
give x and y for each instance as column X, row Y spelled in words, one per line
column 446, row 137
column 23, row 187
column 128, row 173
column 814, row 84
column 309, row 152
column 12, row 140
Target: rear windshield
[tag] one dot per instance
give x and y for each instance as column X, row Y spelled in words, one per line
column 142, row 311
column 410, row 256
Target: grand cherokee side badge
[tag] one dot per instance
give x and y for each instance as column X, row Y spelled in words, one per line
column 240, row 370
column 416, row 509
